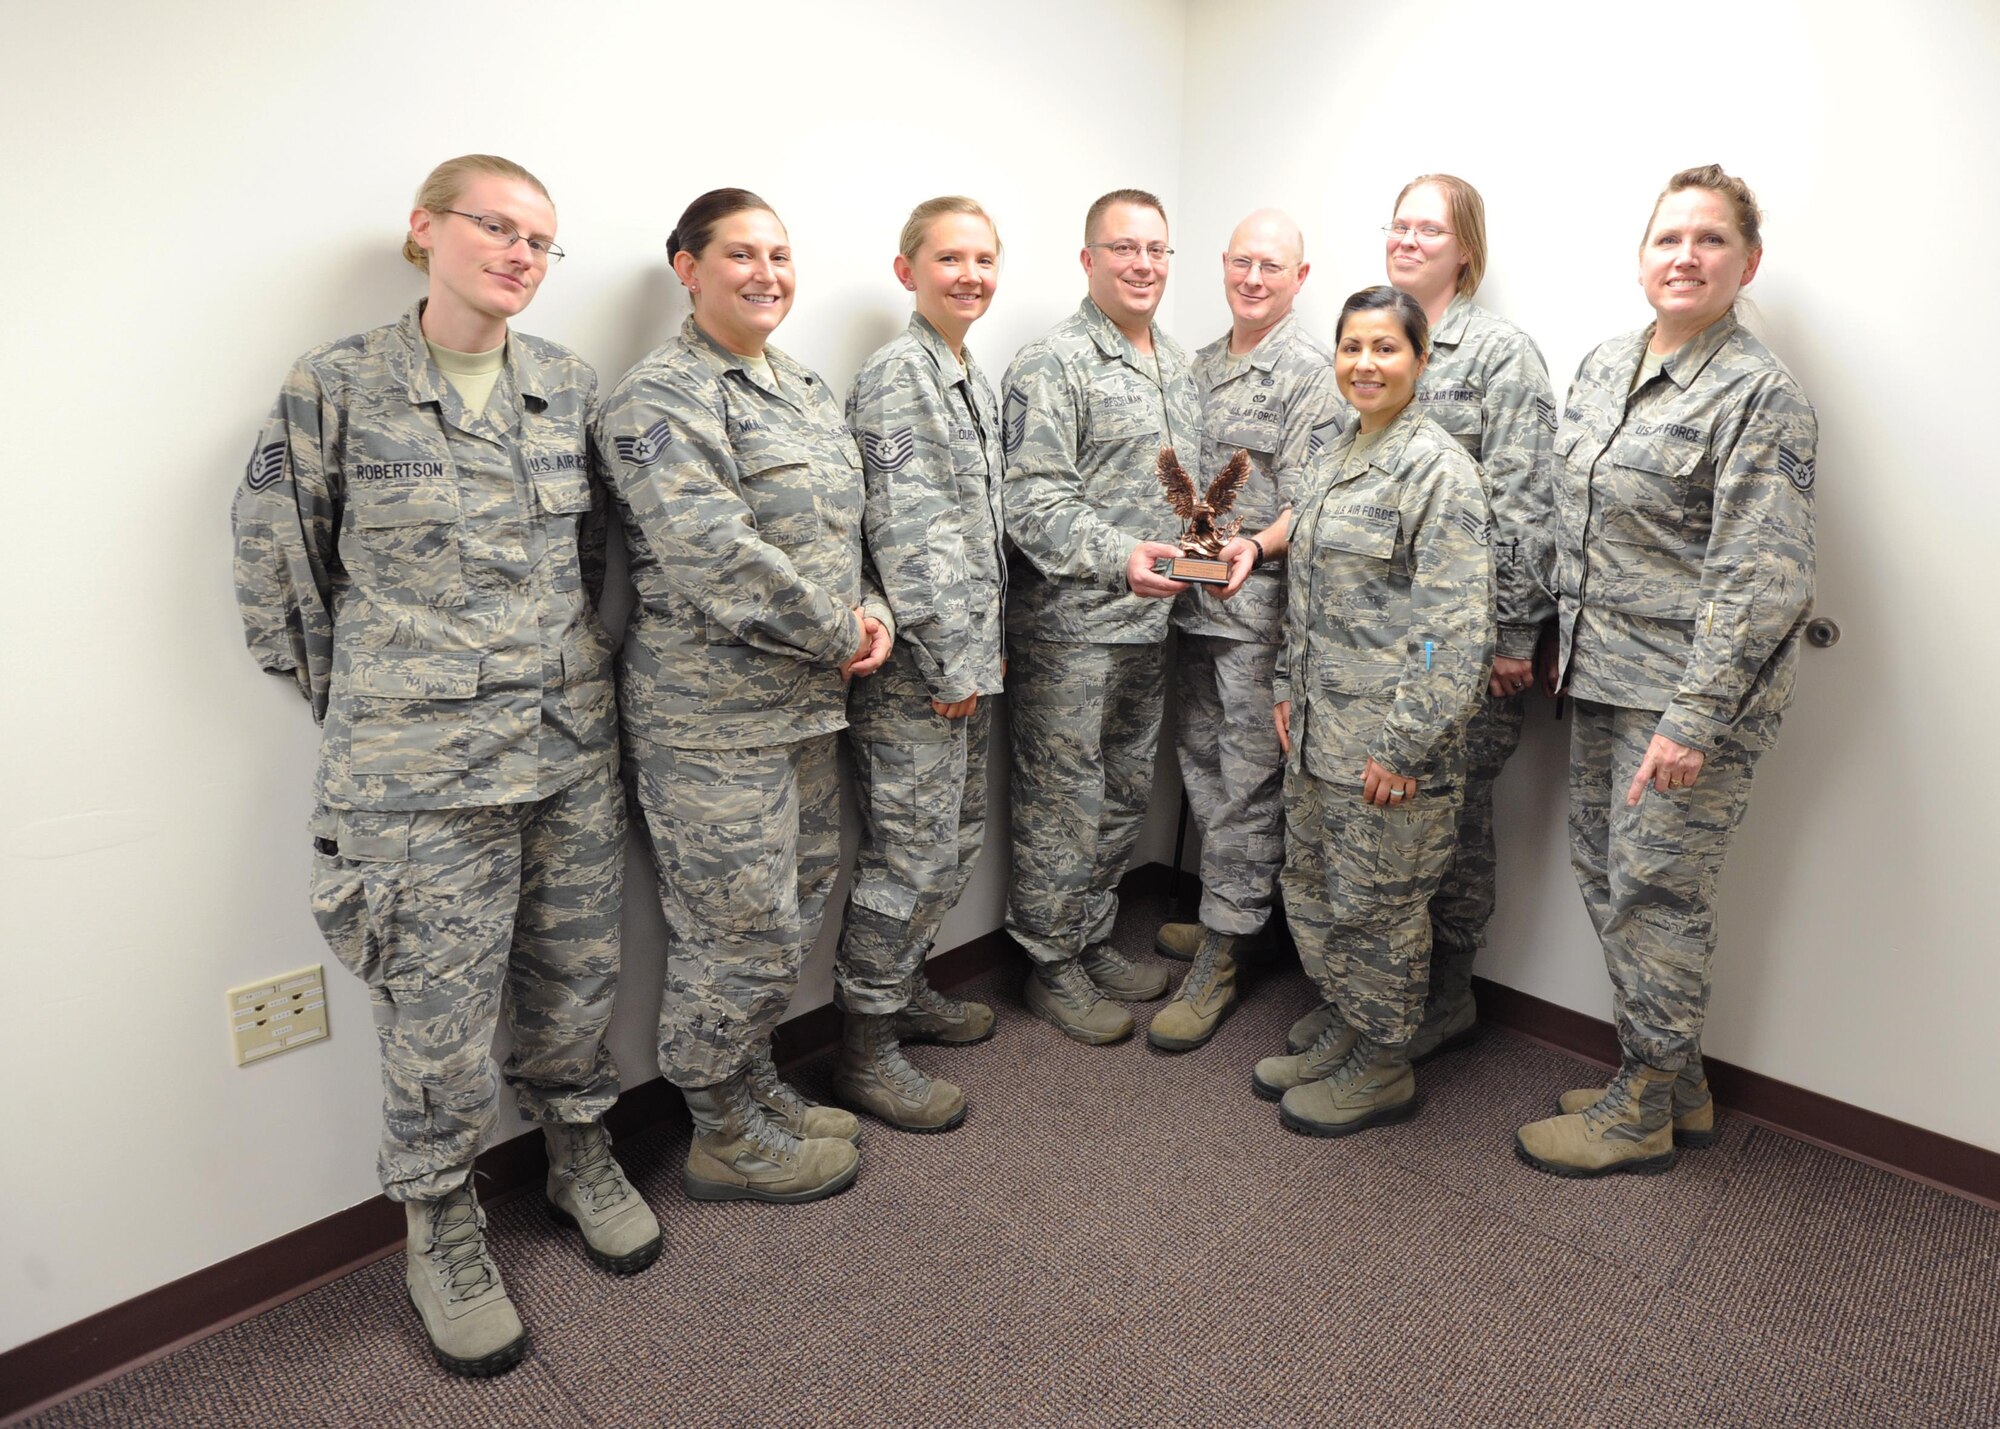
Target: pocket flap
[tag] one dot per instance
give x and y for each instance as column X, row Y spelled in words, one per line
column 1356, row 675
column 564, row 494
column 1361, row 538
column 369, row 837
column 415, row 674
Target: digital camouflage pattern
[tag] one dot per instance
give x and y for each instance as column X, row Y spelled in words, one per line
column 930, row 446
column 1684, row 522
column 1266, row 402
column 742, row 509
column 1469, row 887
column 437, row 910
column 428, row 576
column 1684, row 570
column 1084, row 419
column 1231, row 767
column 1649, row 873
column 745, row 845
column 1085, row 723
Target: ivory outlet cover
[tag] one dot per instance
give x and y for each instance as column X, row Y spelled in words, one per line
column 278, row 1014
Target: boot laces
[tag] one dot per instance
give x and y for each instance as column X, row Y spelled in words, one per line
column 1201, row 977
column 1113, row 960
column 593, row 1172
column 1070, row 979
column 899, row 1072
column 458, row 1246
column 756, row 1125
column 1613, row 1106
column 1329, row 1034
column 774, row 1091
column 928, row 999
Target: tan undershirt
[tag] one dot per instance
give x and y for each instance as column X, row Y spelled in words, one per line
column 1357, row 455
column 471, row 374
column 1649, row 368
column 760, row 367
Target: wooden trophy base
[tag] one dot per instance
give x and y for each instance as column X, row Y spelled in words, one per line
column 1199, row 570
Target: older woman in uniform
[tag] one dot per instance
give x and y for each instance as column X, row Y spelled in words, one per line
column 929, row 429
column 740, row 490
column 1486, row 384
column 1684, row 573
column 1388, row 638
column 419, row 545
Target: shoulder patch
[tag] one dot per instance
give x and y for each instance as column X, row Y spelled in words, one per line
column 265, row 467
column 891, row 451
column 1323, row 436
column 1545, row 412
column 1797, row 469
column 1473, row 526
column 646, row 448
column 1015, row 426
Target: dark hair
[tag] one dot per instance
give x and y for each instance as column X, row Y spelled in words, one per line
column 1132, row 196
column 1416, row 327
column 697, row 226
column 1749, row 218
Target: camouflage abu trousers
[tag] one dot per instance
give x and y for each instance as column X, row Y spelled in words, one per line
column 1463, row 903
column 746, row 845
column 921, row 781
column 434, row 911
column 1358, row 881
column 1649, row 874
column 1084, row 722
column 1232, row 769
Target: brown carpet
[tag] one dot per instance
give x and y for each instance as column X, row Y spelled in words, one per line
column 1116, row 1237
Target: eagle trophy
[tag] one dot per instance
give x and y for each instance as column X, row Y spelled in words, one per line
column 1204, row 532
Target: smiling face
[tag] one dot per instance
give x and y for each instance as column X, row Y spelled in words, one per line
column 1262, row 271
column 955, row 272
column 1128, row 290
column 1695, row 260
column 1376, row 367
column 742, row 281
column 476, row 284
column 1425, row 268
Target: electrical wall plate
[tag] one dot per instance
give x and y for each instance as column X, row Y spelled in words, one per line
column 277, row 1014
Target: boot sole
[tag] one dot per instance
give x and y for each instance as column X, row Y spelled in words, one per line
column 854, row 1103
column 1387, row 1116
column 931, row 1039
column 1265, row 1091
column 486, row 1366
column 1685, row 1140
column 630, row 1263
column 699, row 1190
column 1450, row 1044
column 1160, row 1043
column 1649, row 1166
column 1077, row 1034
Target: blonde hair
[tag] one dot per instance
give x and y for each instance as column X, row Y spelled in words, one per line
column 1468, row 224
column 448, row 180
column 1749, row 218
column 918, row 227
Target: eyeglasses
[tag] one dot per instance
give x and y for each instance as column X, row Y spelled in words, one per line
column 1428, row 232
column 1244, row 267
column 1125, row 250
column 505, row 235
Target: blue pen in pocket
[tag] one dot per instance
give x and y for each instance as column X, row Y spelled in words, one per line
column 1429, row 645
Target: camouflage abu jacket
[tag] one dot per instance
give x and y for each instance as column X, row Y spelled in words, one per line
column 429, row 578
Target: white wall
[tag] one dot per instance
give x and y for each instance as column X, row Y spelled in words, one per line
column 1856, row 958
column 198, row 193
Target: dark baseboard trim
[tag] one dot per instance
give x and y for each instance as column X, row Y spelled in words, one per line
column 66, row 1361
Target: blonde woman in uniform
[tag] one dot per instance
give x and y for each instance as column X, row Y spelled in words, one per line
column 740, row 488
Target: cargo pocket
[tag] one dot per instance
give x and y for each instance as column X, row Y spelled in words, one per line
column 358, row 861
column 725, row 827
column 413, row 710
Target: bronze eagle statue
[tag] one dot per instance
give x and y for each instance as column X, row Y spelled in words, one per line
column 1203, row 531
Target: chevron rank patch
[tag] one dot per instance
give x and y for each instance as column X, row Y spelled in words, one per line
column 1545, row 412
column 1475, row 527
column 265, row 467
column 890, row 451
column 646, row 448
column 1797, row 470
column 1016, row 426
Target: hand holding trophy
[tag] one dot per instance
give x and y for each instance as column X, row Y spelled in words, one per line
column 1204, row 532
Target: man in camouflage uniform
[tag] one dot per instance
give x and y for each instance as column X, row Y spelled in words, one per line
column 1264, row 386
column 1684, row 573
column 1088, row 409
column 427, row 574
column 929, row 430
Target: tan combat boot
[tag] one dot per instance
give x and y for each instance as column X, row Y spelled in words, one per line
column 1063, row 993
column 1205, row 997
column 874, row 1076
column 1694, row 1108
column 1275, row 1076
column 455, row 1285
column 1310, row 1028
column 1629, row 1128
column 587, row 1189
column 1118, row 976
column 1444, row 1030
column 803, row 1119
column 1181, row 941
column 740, row 1153
column 933, row 1017
column 1372, row 1086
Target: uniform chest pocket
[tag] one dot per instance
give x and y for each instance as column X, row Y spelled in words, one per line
column 1460, row 414
column 1245, row 431
column 1354, row 536
column 564, row 500
column 401, row 541
column 1646, row 488
column 1122, row 416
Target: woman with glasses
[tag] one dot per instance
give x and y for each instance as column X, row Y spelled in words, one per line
column 419, row 546
column 1684, row 572
column 929, row 429
column 741, row 492
column 1486, row 384
column 1388, row 638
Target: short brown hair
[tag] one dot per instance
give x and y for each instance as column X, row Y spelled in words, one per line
column 1133, row 196
column 918, row 227
column 1749, row 218
column 447, row 181
column 1468, row 224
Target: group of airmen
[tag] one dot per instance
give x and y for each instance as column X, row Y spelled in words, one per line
column 421, row 540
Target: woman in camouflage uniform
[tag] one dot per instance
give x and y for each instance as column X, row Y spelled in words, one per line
column 929, row 429
column 740, row 489
column 1683, row 573
column 420, row 544
column 1388, row 638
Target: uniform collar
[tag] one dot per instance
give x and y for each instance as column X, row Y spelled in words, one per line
column 1451, row 327
column 422, row 380
column 1387, row 453
column 1685, row 362
column 1264, row 356
column 932, row 341
column 1113, row 343
column 793, row 377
